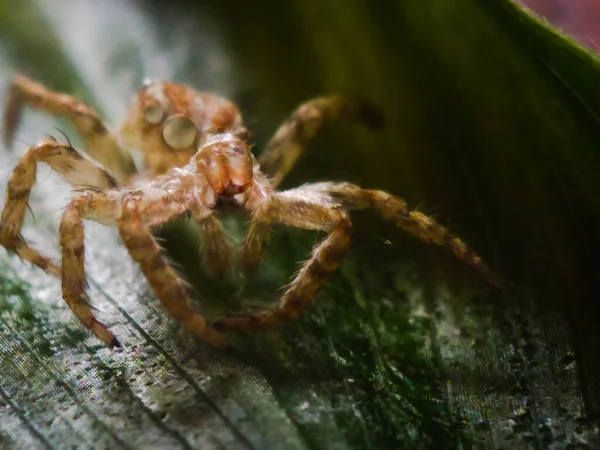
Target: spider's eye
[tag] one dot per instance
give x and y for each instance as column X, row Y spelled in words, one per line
column 153, row 114
column 179, row 132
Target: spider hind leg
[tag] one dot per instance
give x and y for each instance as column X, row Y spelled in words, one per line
column 292, row 137
column 100, row 144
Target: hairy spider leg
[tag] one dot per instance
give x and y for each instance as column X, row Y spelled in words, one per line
column 75, row 168
column 308, row 210
column 71, row 238
column 417, row 224
column 290, row 140
column 99, row 143
column 169, row 288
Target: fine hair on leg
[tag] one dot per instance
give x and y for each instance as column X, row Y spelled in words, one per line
column 99, row 143
column 292, row 137
column 305, row 210
column 75, row 168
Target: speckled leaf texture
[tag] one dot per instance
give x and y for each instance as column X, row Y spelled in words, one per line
column 491, row 127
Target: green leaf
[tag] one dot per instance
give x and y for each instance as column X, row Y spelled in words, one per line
column 491, row 123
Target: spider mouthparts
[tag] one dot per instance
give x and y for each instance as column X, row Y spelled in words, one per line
column 231, row 190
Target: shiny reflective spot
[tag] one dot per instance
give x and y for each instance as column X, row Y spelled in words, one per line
column 153, row 114
column 242, row 198
column 179, row 132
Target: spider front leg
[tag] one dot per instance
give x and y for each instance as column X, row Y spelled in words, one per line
column 294, row 134
column 100, row 144
column 413, row 222
column 75, row 168
column 310, row 211
column 71, row 237
column 169, row 289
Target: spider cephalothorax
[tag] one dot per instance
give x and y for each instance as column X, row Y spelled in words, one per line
column 196, row 160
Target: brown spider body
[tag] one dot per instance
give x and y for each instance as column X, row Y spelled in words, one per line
column 196, row 160
column 209, row 113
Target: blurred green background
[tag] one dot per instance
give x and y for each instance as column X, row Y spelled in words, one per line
column 491, row 127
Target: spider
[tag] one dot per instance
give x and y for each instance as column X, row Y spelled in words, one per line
column 196, row 161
